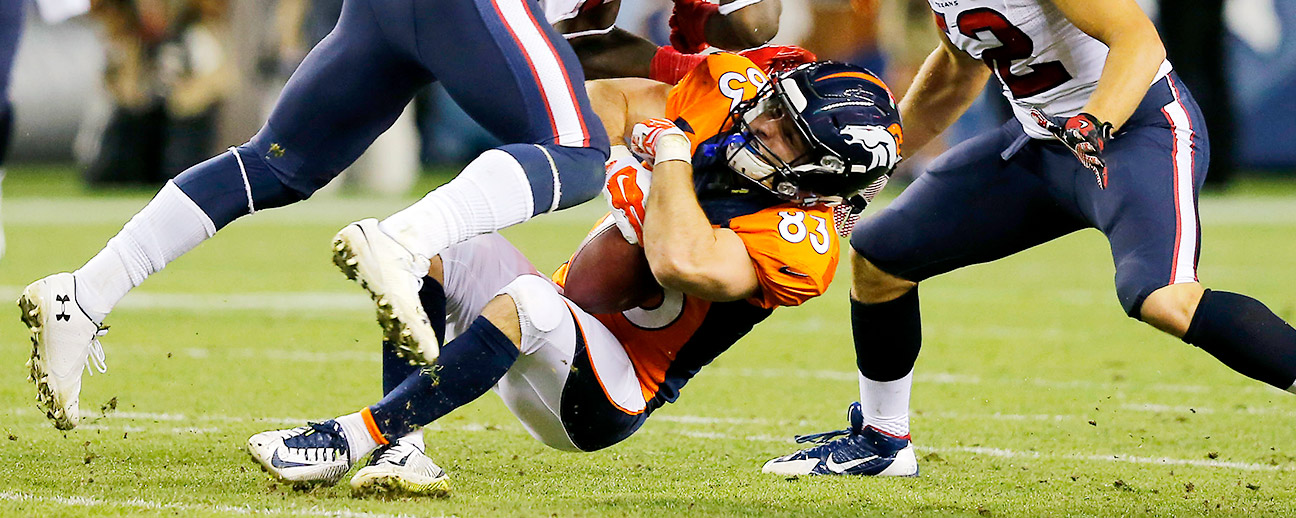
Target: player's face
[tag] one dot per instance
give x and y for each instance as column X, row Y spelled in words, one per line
column 779, row 134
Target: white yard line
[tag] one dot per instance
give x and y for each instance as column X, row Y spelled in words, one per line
column 1131, row 459
column 139, row 503
column 1182, row 409
column 921, row 377
column 81, row 211
column 1000, row 452
column 295, row 302
column 69, row 211
column 721, row 436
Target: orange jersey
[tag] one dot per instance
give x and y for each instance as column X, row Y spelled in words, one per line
column 795, row 254
column 700, row 103
column 792, row 248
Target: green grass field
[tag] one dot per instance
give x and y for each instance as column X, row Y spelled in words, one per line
column 1035, row 395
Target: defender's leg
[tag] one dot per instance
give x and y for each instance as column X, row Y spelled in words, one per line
column 347, row 91
column 1149, row 213
column 526, row 87
column 11, row 27
column 516, row 76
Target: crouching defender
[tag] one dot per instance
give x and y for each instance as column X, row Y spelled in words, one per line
column 1088, row 80
column 739, row 222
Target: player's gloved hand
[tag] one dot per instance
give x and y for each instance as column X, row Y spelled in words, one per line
column 778, row 58
column 626, row 192
column 659, row 140
column 1085, row 136
column 688, row 24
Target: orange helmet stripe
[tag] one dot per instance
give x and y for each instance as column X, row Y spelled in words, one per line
column 857, row 75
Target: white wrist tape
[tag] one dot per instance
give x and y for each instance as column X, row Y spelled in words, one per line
column 673, row 147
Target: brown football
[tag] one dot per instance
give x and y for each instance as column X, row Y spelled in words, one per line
column 608, row 274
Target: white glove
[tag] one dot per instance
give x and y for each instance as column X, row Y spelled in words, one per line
column 659, row 140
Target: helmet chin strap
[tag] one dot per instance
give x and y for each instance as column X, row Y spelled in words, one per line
column 747, row 163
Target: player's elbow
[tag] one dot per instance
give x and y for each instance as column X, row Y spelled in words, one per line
column 1155, row 49
column 1136, row 36
column 673, row 269
column 748, row 27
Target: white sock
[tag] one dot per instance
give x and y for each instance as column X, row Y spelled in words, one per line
column 359, row 442
column 415, row 438
column 163, row 230
column 886, row 404
column 491, row 193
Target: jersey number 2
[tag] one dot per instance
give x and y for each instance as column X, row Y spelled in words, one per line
column 1015, row 45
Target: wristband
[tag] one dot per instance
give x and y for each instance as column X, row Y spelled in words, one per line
column 670, row 66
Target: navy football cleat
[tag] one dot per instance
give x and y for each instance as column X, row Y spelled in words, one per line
column 312, row 454
column 863, row 451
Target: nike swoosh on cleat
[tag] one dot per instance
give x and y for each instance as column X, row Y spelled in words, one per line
column 280, row 463
column 835, row 467
column 405, row 459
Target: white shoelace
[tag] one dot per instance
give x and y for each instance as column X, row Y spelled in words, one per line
column 95, row 360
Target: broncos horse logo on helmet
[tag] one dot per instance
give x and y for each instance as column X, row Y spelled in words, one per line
column 850, row 120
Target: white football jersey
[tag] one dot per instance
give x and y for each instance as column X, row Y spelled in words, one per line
column 1042, row 60
column 559, row 10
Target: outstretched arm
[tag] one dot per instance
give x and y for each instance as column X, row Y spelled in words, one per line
column 620, row 103
column 945, row 86
column 617, row 53
column 606, row 51
column 743, row 24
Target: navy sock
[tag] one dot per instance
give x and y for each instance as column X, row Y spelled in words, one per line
column 394, row 368
column 887, row 336
column 6, row 128
column 468, row 367
column 580, row 173
column 1244, row 334
column 216, row 185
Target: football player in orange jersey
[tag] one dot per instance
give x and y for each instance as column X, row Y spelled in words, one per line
column 736, row 220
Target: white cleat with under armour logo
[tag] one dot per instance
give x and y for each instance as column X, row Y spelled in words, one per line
column 400, row 469
column 64, row 341
column 392, row 275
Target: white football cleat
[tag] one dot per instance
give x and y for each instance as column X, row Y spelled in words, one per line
column 64, row 341
column 313, row 454
column 392, row 276
column 399, row 470
column 858, row 450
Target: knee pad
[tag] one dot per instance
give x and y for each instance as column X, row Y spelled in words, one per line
column 235, row 183
column 540, row 308
column 560, row 176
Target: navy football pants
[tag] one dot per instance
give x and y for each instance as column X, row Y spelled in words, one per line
column 11, row 27
column 1001, row 193
column 498, row 60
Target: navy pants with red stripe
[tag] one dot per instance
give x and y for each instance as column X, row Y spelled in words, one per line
column 1002, row 192
column 498, row 59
